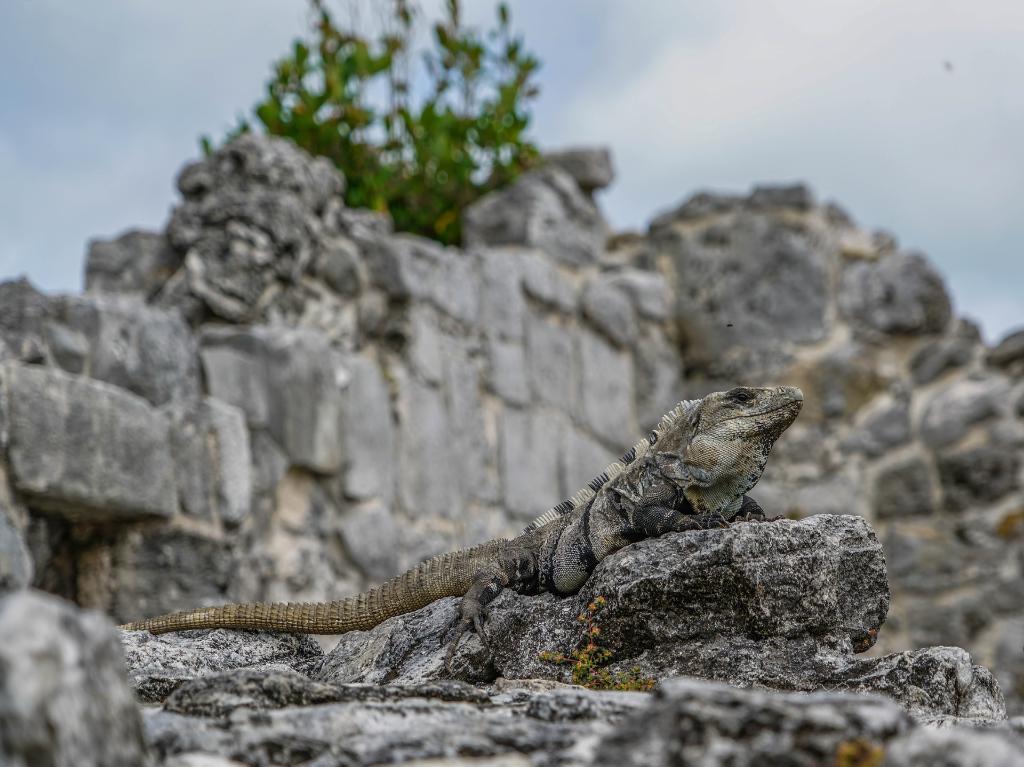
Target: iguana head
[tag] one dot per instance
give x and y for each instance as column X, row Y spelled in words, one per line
column 722, row 446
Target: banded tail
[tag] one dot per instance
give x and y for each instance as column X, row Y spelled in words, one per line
column 446, row 575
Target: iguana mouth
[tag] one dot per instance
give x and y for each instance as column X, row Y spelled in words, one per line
column 764, row 412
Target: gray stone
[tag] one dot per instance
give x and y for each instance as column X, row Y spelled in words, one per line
column 424, row 350
column 371, row 532
column 24, row 314
column 738, row 301
column 550, row 362
column 84, row 448
column 607, row 390
column 583, row 459
column 692, row 722
column 140, row 348
column 649, row 291
column 64, row 699
column 157, row 571
column 530, row 446
column 406, row 266
column 1009, row 352
column 68, row 347
column 507, row 376
column 16, row 567
column 249, row 226
column 502, row 306
column 338, row 264
column 900, row 294
column 792, row 196
column 469, row 438
column 590, row 167
column 658, row 373
column 368, row 432
column 700, row 205
column 134, row 262
column 288, row 381
column 881, row 426
column 904, row 489
column 977, row 476
column 543, row 282
column 159, row 664
column 232, row 460
column 427, row 480
column 952, row 410
column 960, row 747
column 543, row 208
column 610, row 309
column 950, row 351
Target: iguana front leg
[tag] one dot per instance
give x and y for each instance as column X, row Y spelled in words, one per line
column 516, row 567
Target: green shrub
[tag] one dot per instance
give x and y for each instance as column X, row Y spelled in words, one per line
column 421, row 143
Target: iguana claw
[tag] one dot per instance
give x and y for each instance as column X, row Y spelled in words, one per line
column 477, row 623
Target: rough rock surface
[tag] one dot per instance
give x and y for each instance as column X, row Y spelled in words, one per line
column 64, row 699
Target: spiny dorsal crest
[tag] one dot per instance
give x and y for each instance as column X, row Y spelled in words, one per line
column 582, row 497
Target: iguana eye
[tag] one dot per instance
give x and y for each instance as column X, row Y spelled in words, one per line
column 743, row 396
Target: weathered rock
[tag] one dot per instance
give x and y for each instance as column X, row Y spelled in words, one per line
column 959, row 405
column 977, row 476
column 607, row 398
column 927, row 747
column 16, row 566
column 159, row 664
column 544, row 282
column 693, row 722
column 64, row 699
column 249, row 224
column 611, row 310
column 389, row 725
column 427, row 482
column 84, row 448
column 288, row 381
column 658, row 372
column 24, row 312
column 367, row 432
column 551, row 362
column 881, row 426
column 502, row 307
column 737, row 300
column 899, row 294
column 797, row 591
column 950, row 351
column 530, row 446
column 544, row 208
column 792, row 196
column 904, row 489
column 590, row 167
column 134, row 346
column 134, row 262
column 1009, row 352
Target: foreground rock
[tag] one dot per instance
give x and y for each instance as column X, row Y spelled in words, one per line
column 782, row 605
column 64, row 698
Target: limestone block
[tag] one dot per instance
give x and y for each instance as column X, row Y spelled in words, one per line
column 64, row 696
column 368, row 433
column 610, row 309
column 550, row 362
column 502, row 307
column 530, row 447
column 16, row 567
column 881, row 426
column 471, row 447
column 956, row 407
column 427, row 466
column 607, row 390
column 544, row 282
column 508, row 374
column 584, row 459
column 137, row 347
column 288, row 381
column 658, row 373
column 371, row 535
column 133, row 262
column 904, row 489
column 900, row 294
column 84, row 448
column 950, row 351
column 544, row 208
column 24, row 315
column 977, row 476
column 590, row 167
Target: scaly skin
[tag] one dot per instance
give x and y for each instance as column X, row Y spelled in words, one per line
column 692, row 472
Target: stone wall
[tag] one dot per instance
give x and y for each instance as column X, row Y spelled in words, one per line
column 278, row 397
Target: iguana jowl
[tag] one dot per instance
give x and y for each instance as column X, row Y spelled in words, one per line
column 691, row 472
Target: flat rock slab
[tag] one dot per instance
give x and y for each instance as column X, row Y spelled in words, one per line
column 83, row 448
column 159, row 664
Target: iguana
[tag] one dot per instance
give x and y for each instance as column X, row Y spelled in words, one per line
column 691, row 472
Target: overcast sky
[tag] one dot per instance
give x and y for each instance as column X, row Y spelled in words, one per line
column 909, row 114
